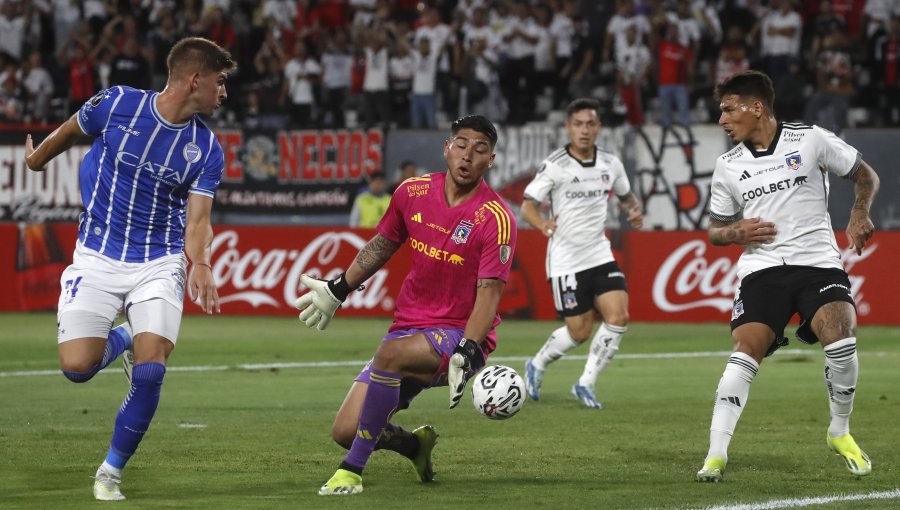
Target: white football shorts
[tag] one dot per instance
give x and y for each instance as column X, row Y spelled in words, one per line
column 98, row 286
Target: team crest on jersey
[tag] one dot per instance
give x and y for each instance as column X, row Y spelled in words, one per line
column 605, row 178
column 793, row 161
column 462, row 231
column 505, row 252
column 192, row 152
column 569, row 300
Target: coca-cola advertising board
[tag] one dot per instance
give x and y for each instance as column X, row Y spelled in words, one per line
column 680, row 277
column 672, row 276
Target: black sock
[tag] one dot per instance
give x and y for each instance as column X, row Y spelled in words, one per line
column 350, row 467
column 397, row 439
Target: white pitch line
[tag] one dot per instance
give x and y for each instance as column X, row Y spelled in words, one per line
column 359, row 363
column 811, row 501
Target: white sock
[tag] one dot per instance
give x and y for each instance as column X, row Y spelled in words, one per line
column 559, row 343
column 841, row 373
column 731, row 398
column 603, row 348
column 109, row 468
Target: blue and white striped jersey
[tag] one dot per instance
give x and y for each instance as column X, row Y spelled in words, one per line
column 136, row 178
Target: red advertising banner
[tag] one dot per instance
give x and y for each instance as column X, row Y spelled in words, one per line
column 672, row 276
column 680, row 277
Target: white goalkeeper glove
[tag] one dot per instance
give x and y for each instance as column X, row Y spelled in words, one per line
column 462, row 361
column 317, row 306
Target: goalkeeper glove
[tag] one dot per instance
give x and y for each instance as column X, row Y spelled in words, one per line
column 462, row 361
column 317, row 306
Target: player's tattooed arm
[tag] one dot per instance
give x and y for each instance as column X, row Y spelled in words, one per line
column 860, row 228
column 372, row 257
column 744, row 231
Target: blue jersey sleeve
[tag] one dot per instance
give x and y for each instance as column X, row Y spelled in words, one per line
column 93, row 116
column 207, row 182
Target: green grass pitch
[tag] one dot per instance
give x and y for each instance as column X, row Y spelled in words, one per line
column 249, row 437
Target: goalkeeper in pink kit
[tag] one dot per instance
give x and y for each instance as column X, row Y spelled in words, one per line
column 462, row 238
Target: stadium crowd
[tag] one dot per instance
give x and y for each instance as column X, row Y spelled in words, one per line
column 406, row 63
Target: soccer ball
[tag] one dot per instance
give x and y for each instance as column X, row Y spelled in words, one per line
column 498, row 392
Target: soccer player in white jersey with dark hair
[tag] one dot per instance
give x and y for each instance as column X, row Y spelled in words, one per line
column 770, row 195
column 147, row 187
column 577, row 180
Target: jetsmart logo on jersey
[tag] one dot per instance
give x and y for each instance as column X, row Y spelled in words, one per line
column 593, row 193
column 773, row 187
column 435, row 253
column 157, row 171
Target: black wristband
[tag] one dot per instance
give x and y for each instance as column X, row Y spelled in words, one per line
column 468, row 348
column 339, row 287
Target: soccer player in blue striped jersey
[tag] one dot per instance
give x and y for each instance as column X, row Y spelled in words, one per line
column 147, row 187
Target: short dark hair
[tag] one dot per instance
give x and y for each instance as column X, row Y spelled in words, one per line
column 377, row 174
column 583, row 103
column 199, row 54
column 407, row 162
column 748, row 84
column 476, row 123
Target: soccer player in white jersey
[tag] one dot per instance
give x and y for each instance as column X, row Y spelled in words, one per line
column 577, row 180
column 147, row 187
column 770, row 195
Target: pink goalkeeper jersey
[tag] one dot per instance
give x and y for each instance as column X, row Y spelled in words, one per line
column 452, row 247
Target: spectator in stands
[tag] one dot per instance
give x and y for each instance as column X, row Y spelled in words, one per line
column 216, row 26
column 376, row 94
column 13, row 26
column 517, row 76
column 877, row 16
column 821, row 27
column 302, row 74
column 37, row 89
column 887, row 74
column 633, row 65
column 370, row 205
column 544, row 50
column 480, row 76
column 162, row 37
column 675, row 78
column 337, row 63
column 790, row 93
column 441, row 40
column 733, row 56
column 835, row 84
column 579, row 74
column 269, row 66
column 130, row 67
column 626, row 16
column 402, row 69
column 407, row 170
column 780, row 32
column 688, row 26
column 423, row 101
column 562, row 29
column 11, row 107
